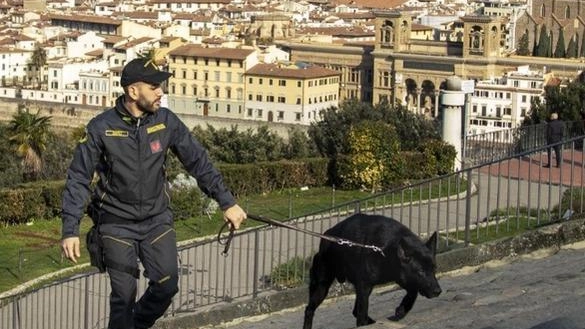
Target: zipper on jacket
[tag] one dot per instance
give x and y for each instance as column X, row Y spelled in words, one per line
column 137, row 134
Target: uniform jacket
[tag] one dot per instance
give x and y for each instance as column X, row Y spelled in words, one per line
column 128, row 154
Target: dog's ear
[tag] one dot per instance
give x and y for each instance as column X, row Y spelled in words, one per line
column 432, row 243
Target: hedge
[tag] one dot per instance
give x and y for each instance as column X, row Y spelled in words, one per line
column 42, row 200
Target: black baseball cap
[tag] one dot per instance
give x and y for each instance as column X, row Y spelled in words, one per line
column 142, row 70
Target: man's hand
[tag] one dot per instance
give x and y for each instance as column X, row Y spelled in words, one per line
column 235, row 216
column 70, row 247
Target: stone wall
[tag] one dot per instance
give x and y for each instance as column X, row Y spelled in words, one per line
column 72, row 116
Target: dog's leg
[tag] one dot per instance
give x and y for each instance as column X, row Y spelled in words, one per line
column 406, row 305
column 360, row 308
column 320, row 281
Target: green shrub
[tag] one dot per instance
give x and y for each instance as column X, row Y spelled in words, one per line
column 269, row 176
column 291, row 274
column 30, row 201
column 188, row 202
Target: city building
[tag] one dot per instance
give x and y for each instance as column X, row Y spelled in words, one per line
column 294, row 93
column 503, row 102
column 209, row 81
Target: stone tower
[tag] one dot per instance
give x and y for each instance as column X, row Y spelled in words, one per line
column 482, row 36
column 392, row 30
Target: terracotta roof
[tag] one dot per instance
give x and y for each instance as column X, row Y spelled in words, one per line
column 225, row 2
column 113, row 39
column 95, row 53
column 305, row 72
column 138, row 14
column 168, row 39
column 375, row 4
column 353, row 16
column 192, row 50
column 86, row 19
column 133, row 43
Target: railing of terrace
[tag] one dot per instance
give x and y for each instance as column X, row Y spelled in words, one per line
column 488, row 200
column 500, row 144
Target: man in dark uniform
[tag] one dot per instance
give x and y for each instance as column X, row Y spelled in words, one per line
column 554, row 134
column 127, row 147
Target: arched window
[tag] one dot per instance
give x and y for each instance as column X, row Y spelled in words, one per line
column 542, row 10
column 567, row 12
column 387, row 32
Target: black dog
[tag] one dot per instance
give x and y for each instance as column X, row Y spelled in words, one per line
column 407, row 261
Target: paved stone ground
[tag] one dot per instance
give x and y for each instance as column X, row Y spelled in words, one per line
column 542, row 290
column 571, row 172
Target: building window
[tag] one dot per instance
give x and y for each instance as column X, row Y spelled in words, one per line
column 281, row 115
column 270, row 82
column 184, row 74
column 228, row 77
column 228, row 108
column 194, row 75
column 282, row 83
column 259, row 111
column 281, row 99
column 259, row 98
column 270, row 98
column 250, row 112
column 217, row 92
column 250, row 80
column 297, row 116
column 298, row 101
column 299, row 84
column 260, row 81
column 228, row 93
column 250, row 97
column 216, row 75
column 184, row 90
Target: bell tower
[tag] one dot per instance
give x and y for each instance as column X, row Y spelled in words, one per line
column 482, row 36
column 392, row 30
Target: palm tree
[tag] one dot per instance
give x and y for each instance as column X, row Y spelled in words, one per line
column 39, row 60
column 29, row 134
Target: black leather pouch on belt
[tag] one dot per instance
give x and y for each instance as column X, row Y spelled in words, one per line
column 95, row 249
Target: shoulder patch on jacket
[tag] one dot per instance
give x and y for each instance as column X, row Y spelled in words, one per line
column 116, row 133
column 155, row 128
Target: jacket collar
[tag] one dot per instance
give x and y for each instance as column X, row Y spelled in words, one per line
column 125, row 114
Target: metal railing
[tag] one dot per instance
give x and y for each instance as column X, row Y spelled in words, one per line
column 500, row 144
column 488, row 200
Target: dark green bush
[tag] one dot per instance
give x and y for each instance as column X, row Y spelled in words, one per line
column 269, row 176
column 188, row 202
column 31, row 201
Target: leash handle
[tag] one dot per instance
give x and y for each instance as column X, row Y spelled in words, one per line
column 228, row 240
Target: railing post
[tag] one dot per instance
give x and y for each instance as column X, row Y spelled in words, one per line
column 86, row 306
column 358, row 207
column 256, row 257
column 468, row 208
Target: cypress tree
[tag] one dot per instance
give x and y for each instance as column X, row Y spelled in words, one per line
column 523, row 45
column 560, row 50
column 542, row 47
column 572, row 49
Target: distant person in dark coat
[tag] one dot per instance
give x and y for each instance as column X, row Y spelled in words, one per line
column 554, row 134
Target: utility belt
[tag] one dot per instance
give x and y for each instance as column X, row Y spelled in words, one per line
column 95, row 246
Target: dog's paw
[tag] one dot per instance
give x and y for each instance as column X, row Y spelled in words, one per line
column 399, row 314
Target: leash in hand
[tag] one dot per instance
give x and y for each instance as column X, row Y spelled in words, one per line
column 339, row 241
